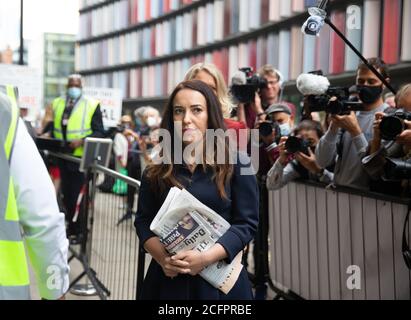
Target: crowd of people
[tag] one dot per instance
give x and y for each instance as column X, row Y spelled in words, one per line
column 346, row 149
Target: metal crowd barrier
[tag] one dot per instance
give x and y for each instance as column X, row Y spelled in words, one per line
column 317, row 235
column 111, row 256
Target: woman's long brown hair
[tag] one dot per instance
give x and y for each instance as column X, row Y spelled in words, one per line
column 163, row 176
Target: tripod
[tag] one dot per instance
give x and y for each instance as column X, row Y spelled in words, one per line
column 84, row 255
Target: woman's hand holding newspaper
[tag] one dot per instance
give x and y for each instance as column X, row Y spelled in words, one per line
column 197, row 261
column 163, row 258
column 172, row 268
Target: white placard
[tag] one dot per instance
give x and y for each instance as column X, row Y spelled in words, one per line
column 28, row 81
column 111, row 101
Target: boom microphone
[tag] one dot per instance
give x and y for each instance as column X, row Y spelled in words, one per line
column 239, row 78
column 312, row 84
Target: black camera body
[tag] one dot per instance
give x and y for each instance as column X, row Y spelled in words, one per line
column 266, row 129
column 393, row 125
column 296, row 144
column 336, row 101
column 245, row 93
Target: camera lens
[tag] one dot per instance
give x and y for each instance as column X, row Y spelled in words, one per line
column 396, row 169
column 244, row 93
column 391, row 127
column 266, row 128
column 295, row 144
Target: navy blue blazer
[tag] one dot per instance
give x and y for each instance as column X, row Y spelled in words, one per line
column 240, row 210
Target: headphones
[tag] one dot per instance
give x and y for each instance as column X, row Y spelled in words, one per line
column 406, row 251
column 280, row 78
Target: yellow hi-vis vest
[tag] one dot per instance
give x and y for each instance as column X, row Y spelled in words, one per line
column 79, row 123
column 14, row 276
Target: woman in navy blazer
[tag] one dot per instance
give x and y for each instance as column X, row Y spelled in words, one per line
column 220, row 186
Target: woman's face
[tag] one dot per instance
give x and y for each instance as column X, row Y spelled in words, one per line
column 190, row 109
column 205, row 77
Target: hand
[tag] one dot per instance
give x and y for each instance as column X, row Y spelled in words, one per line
column 376, row 126
column 257, row 107
column 142, row 144
column 173, row 268
column 309, row 162
column 347, row 122
column 76, row 144
column 195, row 261
column 405, row 138
column 129, row 132
column 283, row 152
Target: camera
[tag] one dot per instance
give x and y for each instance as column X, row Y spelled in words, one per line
column 246, row 84
column 336, row 101
column 393, row 125
column 296, row 144
column 397, row 169
column 266, row 129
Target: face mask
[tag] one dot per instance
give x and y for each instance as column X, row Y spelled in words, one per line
column 151, row 122
column 285, row 129
column 139, row 124
column 74, row 92
column 369, row 94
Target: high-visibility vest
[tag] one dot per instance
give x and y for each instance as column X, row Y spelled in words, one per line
column 79, row 123
column 14, row 275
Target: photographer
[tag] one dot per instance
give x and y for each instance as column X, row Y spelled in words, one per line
column 303, row 163
column 381, row 148
column 254, row 112
column 255, row 93
column 279, row 123
column 348, row 136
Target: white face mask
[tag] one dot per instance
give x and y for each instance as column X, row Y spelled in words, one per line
column 151, row 122
column 285, row 129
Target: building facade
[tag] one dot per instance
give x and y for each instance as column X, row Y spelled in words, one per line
column 144, row 47
column 59, row 57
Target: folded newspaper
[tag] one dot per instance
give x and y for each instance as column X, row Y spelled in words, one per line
column 184, row 223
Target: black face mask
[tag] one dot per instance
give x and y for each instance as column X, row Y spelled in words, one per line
column 369, row 94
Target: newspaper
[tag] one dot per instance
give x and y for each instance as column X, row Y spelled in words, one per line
column 184, row 223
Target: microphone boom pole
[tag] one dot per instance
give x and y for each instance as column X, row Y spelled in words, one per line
column 358, row 53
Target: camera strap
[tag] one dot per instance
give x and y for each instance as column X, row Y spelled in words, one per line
column 340, row 143
column 406, row 251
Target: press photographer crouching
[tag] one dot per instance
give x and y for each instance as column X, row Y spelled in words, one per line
column 297, row 159
column 388, row 160
column 347, row 139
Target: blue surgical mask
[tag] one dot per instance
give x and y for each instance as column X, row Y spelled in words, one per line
column 74, row 92
column 285, row 129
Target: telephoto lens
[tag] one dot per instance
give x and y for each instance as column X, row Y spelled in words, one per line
column 393, row 125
